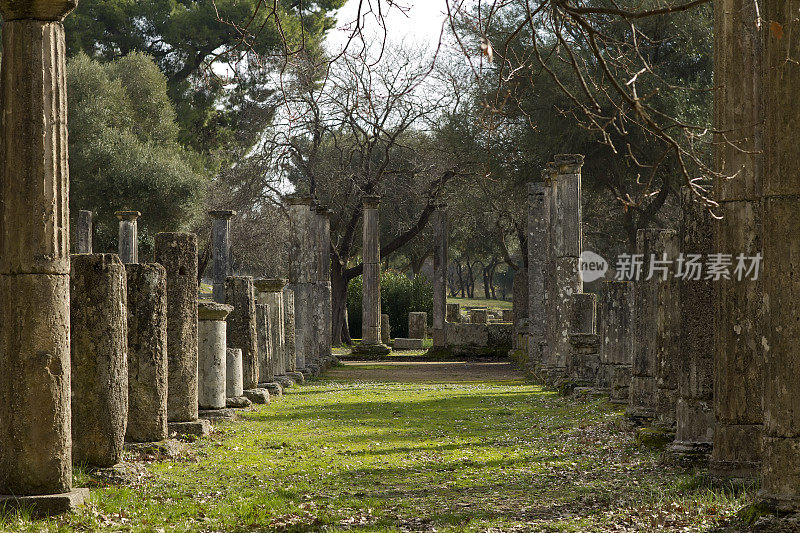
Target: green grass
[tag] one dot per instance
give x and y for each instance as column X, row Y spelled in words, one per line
column 479, row 302
column 352, row 453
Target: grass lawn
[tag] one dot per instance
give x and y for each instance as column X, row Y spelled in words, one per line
column 409, row 447
column 479, row 302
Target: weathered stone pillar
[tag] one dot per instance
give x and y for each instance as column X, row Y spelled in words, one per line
column 780, row 485
column 178, row 253
column 289, row 325
column 453, row 313
column 385, row 329
column 147, row 353
column 99, row 337
column 583, row 363
column 300, row 280
column 651, row 324
column 616, row 353
column 694, row 429
column 128, row 236
column 566, row 244
column 539, row 204
column 240, row 293
column 266, row 362
column 270, row 293
column 417, row 325
column 739, row 305
column 35, row 441
column 212, row 354
column 519, row 309
column 324, row 284
column 371, row 307
column 234, row 382
column 84, row 233
column 221, row 250
column 441, row 238
column 668, row 338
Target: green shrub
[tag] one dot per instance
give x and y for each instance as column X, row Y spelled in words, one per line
column 400, row 295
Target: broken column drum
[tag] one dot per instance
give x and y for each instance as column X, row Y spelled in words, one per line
column 441, row 310
column 371, row 305
column 221, row 250
column 539, row 203
column 83, row 233
column 234, row 385
column 212, row 355
column 300, row 278
column 35, row 429
column 617, row 339
column 147, row 353
column 128, row 236
column 177, row 252
column 99, row 337
column 385, row 329
column 240, row 293
column 267, row 362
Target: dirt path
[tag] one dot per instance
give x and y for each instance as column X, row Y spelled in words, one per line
column 427, row 371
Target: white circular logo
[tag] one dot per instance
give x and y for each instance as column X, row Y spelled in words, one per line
column 593, row 267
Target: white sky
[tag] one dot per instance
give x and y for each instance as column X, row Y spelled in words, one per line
column 419, row 25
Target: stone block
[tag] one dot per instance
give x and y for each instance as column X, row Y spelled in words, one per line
column 407, row 344
column 417, row 325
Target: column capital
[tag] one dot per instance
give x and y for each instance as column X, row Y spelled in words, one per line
column 213, row 311
column 269, row 284
column 44, row 10
column 295, row 199
column 222, row 213
column 371, row 201
column 569, row 163
column 128, row 215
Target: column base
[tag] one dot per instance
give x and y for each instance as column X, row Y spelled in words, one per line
column 735, row 474
column 370, row 349
column 260, row 395
column 196, row 428
column 640, row 416
column 297, row 377
column 238, row 402
column 43, row 505
column 285, row 381
column 217, row 415
column 691, row 453
column 273, row 387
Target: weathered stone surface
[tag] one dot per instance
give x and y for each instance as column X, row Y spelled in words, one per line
column 385, row 329
column 221, row 250
column 217, row 415
column 371, row 305
column 212, row 354
column 453, row 313
column 519, row 311
column 194, row 428
column 99, row 348
column 259, row 395
column 407, row 344
column 234, row 383
column 468, row 334
column 668, row 341
column 324, row 283
column 267, row 363
column 478, row 316
column 499, row 335
column 290, row 345
column 303, row 318
column 237, row 402
column 147, row 353
column 739, row 309
column 648, row 331
column 583, row 363
column 83, row 233
column 440, row 259
column 616, row 352
column 568, row 282
column 177, row 252
column 507, row 315
column 270, row 293
column 46, row 504
column 128, row 236
column 417, row 325
column 34, row 254
column 695, row 411
column 538, row 273
column 240, row 293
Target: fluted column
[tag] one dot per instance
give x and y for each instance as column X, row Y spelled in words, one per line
column 371, row 298
column 539, row 202
column 324, row 282
column 35, row 428
column 300, row 281
column 128, row 236
column 221, row 250
column 83, row 233
column 440, row 243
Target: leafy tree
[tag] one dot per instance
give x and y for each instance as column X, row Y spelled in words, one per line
column 124, row 149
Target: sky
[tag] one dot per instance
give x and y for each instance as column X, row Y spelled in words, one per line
column 420, row 25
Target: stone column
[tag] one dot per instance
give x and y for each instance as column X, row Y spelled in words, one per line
column 128, row 236
column 739, row 305
column 385, row 329
column 177, row 252
column 288, row 325
column 583, row 363
column 371, row 306
column 84, row 233
column 519, row 307
column 221, row 250
column 212, row 360
column 99, row 337
column 234, row 384
column 668, row 338
column 35, row 441
column 616, row 353
column 694, row 429
column 417, row 325
column 147, row 353
column 651, row 307
column 780, row 485
column 539, row 203
column 440, row 252
column 324, row 283
column 270, row 293
column 300, row 280
column 566, row 241
column 240, row 293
